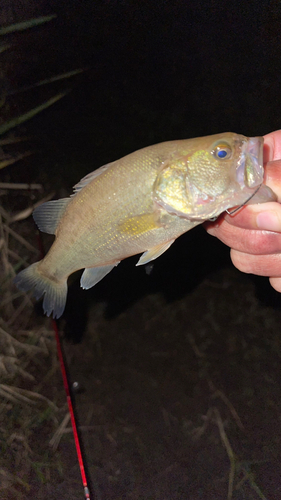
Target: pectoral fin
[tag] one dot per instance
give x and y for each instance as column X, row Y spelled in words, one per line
column 139, row 224
column 92, row 275
column 153, row 253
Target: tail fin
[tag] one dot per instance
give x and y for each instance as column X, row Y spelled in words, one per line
column 54, row 293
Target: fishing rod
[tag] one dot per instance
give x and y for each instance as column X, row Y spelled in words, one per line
column 68, row 394
column 71, row 412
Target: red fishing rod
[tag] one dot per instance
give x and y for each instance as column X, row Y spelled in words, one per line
column 71, row 411
column 68, row 395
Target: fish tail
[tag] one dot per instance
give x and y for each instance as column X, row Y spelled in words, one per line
column 54, row 293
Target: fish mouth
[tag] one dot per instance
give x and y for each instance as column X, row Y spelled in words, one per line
column 249, row 170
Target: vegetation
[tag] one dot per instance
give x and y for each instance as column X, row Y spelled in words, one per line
column 29, row 406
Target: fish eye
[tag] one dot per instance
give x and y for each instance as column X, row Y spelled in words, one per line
column 222, row 151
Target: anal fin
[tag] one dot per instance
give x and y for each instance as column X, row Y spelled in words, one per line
column 92, row 275
column 154, row 252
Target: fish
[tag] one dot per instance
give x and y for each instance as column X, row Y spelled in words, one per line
column 140, row 204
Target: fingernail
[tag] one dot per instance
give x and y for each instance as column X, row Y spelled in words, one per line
column 269, row 221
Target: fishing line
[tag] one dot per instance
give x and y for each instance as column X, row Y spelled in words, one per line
column 68, row 395
column 231, row 212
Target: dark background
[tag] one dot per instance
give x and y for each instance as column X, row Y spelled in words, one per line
column 156, row 71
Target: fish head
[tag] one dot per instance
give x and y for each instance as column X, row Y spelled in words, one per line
column 208, row 175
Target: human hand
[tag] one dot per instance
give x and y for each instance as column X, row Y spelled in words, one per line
column 254, row 233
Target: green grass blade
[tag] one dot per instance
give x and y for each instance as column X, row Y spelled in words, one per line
column 5, row 127
column 10, row 161
column 46, row 81
column 24, row 25
column 4, row 47
column 13, row 140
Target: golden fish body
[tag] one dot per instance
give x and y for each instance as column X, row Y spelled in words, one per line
column 141, row 203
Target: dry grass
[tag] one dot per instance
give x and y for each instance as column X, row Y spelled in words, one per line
column 29, row 406
column 27, row 363
column 214, row 418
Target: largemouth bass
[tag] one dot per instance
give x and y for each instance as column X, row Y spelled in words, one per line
column 141, row 204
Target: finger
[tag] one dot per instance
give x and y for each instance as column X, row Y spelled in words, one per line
column 272, row 176
column 262, row 265
column 276, row 283
column 265, row 216
column 272, row 146
column 248, row 241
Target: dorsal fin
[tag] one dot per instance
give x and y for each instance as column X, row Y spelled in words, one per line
column 89, row 177
column 48, row 215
